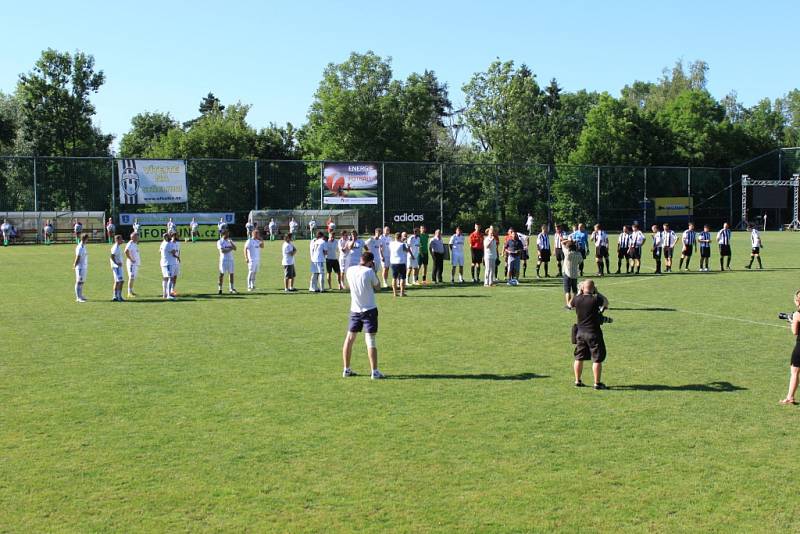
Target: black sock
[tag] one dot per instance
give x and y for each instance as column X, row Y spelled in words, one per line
column 608, row 266
column 537, row 269
column 545, row 270
column 524, row 269
column 728, row 263
column 722, row 264
column 759, row 262
column 619, row 264
column 751, row 261
column 687, row 262
column 658, row 266
column 680, row 264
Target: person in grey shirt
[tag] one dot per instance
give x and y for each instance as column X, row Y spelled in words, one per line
column 436, row 246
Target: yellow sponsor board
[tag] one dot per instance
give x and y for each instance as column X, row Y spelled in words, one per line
column 156, row 233
column 673, row 206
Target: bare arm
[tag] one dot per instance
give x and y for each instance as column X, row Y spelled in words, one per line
column 795, row 326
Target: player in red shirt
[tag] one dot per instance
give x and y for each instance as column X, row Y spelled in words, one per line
column 476, row 246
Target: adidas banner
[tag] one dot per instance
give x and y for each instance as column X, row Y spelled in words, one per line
column 152, row 181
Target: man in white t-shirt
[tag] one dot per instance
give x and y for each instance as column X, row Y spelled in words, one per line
column 529, row 224
column 375, row 245
column 355, row 247
column 168, row 262
column 81, row 265
column 77, row 230
column 226, row 247
column 193, row 232
column 132, row 261
column 272, row 227
column 457, row 255
column 110, row 230
column 312, row 228
column 221, row 226
column 386, row 238
column 116, row 268
column 344, row 255
column 413, row 243
column 398, row 256
column 171, row 229
column 332, row 262
column 5, row 228
column 294, row 226
column 288, row 251
column 252, row 256
column 363, row 313
column 318, row 251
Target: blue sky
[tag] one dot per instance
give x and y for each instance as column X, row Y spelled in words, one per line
column 165, row 56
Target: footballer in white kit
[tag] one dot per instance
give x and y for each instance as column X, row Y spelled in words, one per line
column 252, row 255
column 457, row 255
column 116, row 268
column 81, row 265
column 226, row 248
column 167, row 263
column 132, row 261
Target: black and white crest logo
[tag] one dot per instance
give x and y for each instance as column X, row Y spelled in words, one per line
column 129, row 182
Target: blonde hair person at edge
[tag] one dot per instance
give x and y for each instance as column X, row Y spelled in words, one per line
column 794, row 369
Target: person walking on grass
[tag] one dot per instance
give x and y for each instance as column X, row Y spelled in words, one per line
column 590, row 345
column 288, row 251
column 81, row 266
column 794, row 364
column 363, row 283
column 756, row 246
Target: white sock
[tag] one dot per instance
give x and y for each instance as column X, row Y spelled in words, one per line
column 78, row 291
column 164, row 286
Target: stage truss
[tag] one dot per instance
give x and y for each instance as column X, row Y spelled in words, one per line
column 793, row 182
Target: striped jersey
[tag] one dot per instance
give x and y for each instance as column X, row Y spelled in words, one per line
column 755, row 238
column 637, row 238
column 688, row 238
column 543, row 242
column 624, row 241
column 668, row 238
column 724, row 237
column 705, row 239
column 600, row 238
column 558, row 240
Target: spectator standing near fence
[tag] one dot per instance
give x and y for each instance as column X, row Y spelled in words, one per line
column 294, row 226
column 132, row 261
column 136, row 226
column 171, row 228
column 5, row 228
column 272, row 227
column 222, row 226
column 436, row 248
column 77, row 230
column 252, row 256
column 81, row 266
column 110, row 230
column 476, row 249
column 457, row 256
column 48, row 231
column 312, row 228
column 194, row 233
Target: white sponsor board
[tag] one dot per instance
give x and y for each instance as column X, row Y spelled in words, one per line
column 152, row 181
column 160, row 219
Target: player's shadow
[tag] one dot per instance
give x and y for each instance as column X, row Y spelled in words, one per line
column 652, row 309
column 711, row 387
column 448, row 296
column 478, row 376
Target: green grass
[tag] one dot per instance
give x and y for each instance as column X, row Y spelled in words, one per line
column 230, row 413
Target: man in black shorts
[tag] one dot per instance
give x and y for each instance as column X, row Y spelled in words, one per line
column 331, row 263
column 363, row 282
column 589, row 343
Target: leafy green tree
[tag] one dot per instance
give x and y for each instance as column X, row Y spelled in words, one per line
column 9, row 122
column 697, row 128
column 147, row 129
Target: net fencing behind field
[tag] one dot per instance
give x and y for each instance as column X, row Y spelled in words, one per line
column 437, row 194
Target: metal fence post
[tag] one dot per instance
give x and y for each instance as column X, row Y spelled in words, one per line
column 730, row 194
column 597, row 217
column 441, row 197
column 255, row 181
column 383, row 194
column 496, row 195
column 644, row 200
column 113, row 189
column 35, row 187
column 186, row 168
column 549, row 197
column 690, row 211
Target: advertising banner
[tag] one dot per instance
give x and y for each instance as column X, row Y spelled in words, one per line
column 160, row 219
column 152, row 181
column 667, row 207
column 350, row 183
column 208, row 232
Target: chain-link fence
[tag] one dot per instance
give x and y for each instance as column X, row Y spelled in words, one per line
column 440, row 194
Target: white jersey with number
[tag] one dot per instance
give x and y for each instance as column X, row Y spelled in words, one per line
column 165, row 249
column 133, row 250
column 317, row 250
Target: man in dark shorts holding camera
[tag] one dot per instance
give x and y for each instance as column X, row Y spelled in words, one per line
column 589, row 342
column 363, row 282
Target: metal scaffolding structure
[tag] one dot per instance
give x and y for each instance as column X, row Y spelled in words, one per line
column 793, row 182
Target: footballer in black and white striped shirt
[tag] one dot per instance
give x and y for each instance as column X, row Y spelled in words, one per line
column 724, row 241
column 689, row 240
column 755, row 243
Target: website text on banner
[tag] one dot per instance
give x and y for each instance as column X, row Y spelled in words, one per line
column 350, row 183
column 160, row 219
column 152, row 181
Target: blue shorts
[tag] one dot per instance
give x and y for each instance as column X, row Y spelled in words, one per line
column 117, row 271
column 367, row 320
column 399, row 271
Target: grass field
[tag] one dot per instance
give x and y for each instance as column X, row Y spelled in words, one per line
column 230, row 414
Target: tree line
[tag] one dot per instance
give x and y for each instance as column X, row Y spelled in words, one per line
column 361, row 111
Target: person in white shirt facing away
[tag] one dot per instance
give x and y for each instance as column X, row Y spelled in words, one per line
column 318, row 250
column 132, row 262
column 363, row 283
column 169, row 263
column 116, row 268
column 81, row 266
column 456, row 245
column 288, row 251
column 332, row 261
column 398, row 258
column 252, row 256
column 176, row 252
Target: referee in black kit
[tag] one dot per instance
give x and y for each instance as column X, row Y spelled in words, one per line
column 589, row 343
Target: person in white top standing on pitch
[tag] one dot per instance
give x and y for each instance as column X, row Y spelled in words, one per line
column 193, row 232
column 288, row 251
column 176, row 252
column 294, row 226
column 249, row 226
column 386, row 238
column 413, row 243
column 226, row 248
column 312, row 228
column 252, row 256
column 529, row 224
column 5, row 228
column 132, row 261
column 375, row 245
column 489, row 257
column 756, row 246
column 77, row 229
column 363, row 314
column 457, row 256
column 48, row 232
column 81, row 265
column 171, row 226
column 272, row 227
column 221, row 226
column 116, row 268
column 318, row 250
column 355, row 247
column 136, row 225
column 167, row 262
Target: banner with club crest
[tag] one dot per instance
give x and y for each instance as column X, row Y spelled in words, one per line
column 152, row 181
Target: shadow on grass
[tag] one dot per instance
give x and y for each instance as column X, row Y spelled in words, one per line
column 480, row 376
column 711, row 387
column 645, row 309
column 449, row 296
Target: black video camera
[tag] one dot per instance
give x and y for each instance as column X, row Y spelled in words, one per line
column 785, row 317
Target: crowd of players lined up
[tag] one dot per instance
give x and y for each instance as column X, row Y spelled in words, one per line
column 407, row 255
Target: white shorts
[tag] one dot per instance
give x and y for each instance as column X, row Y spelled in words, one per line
column 343, row 265
column 133, row 269
column 176, row 269
column 167, row 271
column 80, row 274
column 226, row 266
column 117, row 272
column 317, row 268
column 457, row 260
column 413, row 263
column 252, row 267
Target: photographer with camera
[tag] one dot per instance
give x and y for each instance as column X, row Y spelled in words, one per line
column 794, row 369
column 587, row 335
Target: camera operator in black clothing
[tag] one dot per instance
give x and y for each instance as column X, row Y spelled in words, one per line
column 589, row 343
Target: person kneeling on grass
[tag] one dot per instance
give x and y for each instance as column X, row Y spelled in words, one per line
column 589, row 343
column 363, row 282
